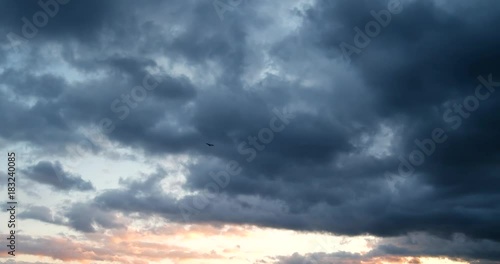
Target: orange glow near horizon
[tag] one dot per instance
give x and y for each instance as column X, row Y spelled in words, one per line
column 173, row 243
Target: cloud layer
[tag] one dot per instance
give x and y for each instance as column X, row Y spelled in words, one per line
column 402, row 139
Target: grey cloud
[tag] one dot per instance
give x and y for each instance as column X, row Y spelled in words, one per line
column 53, row 174
column 43, row 87
column 459, row 248
column 86, row 217
column 41, row 213
column 320, row 172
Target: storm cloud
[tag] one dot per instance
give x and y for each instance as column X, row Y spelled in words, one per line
column 402, row 139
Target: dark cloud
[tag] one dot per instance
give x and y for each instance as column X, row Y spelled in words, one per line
column 83, row 217
column 87, row 218
column 42, row 87
column 75, row 19
column 320, row 258
column 53, row 174
column 41, row 213
column 415, row 245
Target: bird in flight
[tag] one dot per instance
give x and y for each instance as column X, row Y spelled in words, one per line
column 210, row 145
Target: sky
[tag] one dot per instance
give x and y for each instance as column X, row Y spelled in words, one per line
column 343, row 131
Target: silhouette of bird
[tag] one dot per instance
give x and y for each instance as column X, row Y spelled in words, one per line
column 210, row 145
